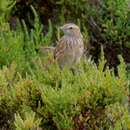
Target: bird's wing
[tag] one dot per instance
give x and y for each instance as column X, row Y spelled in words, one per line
column 60, row 48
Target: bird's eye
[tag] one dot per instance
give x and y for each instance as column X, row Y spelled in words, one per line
column 70, row 28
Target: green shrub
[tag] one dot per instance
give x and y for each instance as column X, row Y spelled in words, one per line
column 29, row 123
column 5, row 9
column 113, row 21
column 107, row 23
column 20, row 46
column 36, row 94
column 92, row 99
column 108, row 20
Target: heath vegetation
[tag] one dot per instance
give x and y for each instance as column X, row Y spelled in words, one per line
column 35, row 94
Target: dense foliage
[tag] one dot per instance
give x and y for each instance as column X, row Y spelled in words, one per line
column 107, row 22
column 36, row 95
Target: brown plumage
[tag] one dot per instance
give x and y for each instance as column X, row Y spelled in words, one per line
column 70, row 48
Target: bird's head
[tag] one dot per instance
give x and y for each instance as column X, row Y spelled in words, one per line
column 71, row 29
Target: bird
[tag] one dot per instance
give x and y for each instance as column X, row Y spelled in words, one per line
column 70, row 48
